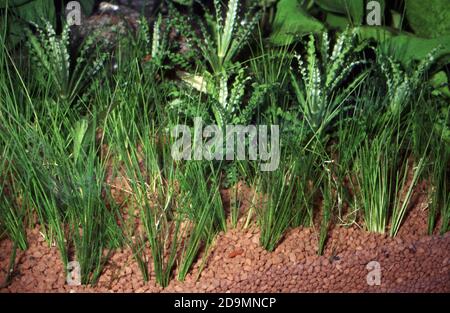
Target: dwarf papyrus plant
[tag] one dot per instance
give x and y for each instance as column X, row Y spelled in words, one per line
column 323, row 81
column 55, row 73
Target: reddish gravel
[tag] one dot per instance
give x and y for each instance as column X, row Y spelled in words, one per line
column 411, row 262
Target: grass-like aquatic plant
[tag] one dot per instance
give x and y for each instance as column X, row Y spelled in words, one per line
column 355, row 142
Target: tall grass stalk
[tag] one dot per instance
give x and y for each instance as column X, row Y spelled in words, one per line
column 328, row 204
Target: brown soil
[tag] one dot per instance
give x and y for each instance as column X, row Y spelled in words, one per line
column 410, row 262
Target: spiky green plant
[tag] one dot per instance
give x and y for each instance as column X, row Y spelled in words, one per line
column 319, row 83
column 151, row 45
column 401, row 83
column 227, row 103
column 52, row 57
column 223, row 39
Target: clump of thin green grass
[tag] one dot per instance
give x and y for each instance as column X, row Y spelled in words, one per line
column 202, row 206
column 440, row 189
column 12, row 205
column 153, row 186
column 56, row 162
column 386, row 175
column 373, row 166
column 93, row 227
column 275, row 214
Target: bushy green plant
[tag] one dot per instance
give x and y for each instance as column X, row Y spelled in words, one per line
column 351, row 147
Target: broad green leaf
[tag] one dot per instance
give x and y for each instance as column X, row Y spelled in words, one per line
column 336, row 21
column 429, row 18
column 291, row 22
column 353, row 9
column 184, row 2
column 87, row 6
column 35, row 11
column 13, row 3
column 407, row 48
column 195, row 81
column 379, row 34
column 439, row 81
